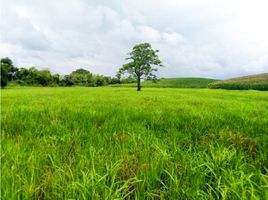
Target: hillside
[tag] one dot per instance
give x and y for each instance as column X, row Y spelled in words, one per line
column 255, row 82
column 174, row 83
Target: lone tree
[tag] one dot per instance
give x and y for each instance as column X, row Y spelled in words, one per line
column 144, row 61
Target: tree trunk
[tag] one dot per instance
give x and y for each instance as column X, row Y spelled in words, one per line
column 138, row 84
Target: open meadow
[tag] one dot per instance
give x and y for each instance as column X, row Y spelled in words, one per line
column 116, row 143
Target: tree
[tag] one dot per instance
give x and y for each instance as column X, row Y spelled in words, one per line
column 99, row 80
column 56, row 79
column 67, row 80
column 119, row 75
column 4, row 73
column 33, row 76
column 7, row 71
column 44, row 77
column 115, row 80
column 144, row 62
column 81, row 77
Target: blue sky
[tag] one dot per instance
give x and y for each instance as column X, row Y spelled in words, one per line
column 196, row 38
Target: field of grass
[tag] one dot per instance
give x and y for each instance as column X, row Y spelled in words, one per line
column 174, row 83
column 116, row 143
column 255, row 82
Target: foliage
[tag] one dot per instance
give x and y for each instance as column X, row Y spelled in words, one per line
column 110, row 143
column 100, row 80
column 34, row 77
column 44, row 77
column 81, row 77
column 144, row 61
column 7, row 71
column 67, row 81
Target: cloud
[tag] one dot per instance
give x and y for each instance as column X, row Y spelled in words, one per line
column 217, row 39
column 173, row 38
column 19, row 31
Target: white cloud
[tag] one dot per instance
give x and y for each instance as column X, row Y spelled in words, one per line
column 173, row 38
column 208, row 38
column 149, row 34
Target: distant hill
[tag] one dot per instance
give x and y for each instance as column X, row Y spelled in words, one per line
column 174, row 83
column 254, row 82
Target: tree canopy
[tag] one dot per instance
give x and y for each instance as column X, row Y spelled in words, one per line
column 143, row 62
column 7, row 71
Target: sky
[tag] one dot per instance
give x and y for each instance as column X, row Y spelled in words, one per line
column 195, row 38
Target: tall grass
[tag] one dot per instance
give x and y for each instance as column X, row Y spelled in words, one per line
column 253, row 82
column 116, row 143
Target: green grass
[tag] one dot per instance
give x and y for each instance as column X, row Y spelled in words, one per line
column 174, row 83
column 116, row 143
column 255, row 82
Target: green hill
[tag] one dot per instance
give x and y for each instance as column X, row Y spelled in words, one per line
column 174, row 83
column 254, row 82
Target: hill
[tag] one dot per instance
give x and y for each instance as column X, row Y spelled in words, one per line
column 174, row 83
column 255, row 82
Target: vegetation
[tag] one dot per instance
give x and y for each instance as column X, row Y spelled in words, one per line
column 173, row 83
column 143, row 64
column 7, row 71
column 34, row 77
column 255, row 82
column 113, row 143
column 144, row 61
column 83, row 77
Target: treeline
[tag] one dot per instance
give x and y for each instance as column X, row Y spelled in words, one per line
column 34, row 77
column 81, row 77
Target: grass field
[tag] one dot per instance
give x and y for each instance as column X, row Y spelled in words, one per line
column 256, row 82
column 116, row 143
column 174, row 83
